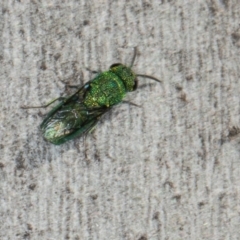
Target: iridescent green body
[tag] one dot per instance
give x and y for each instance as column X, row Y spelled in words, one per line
column 78, row 114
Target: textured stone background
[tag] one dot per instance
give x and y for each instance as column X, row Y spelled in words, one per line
column 167, row 170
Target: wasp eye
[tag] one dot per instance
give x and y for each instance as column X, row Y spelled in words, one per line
column 115, row 65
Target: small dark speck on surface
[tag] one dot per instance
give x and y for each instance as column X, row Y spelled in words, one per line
column 233, row 131
column 85, row 22
column 32, row 186
column 143, row 238
column 94, row 196
column 43, row 66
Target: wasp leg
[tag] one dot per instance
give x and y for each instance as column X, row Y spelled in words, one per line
column 93, row 71
column 73, row 86
column 134, row 104
column 44, row 106
column 80, row 85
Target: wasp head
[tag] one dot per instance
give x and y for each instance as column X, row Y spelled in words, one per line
column 126, row 74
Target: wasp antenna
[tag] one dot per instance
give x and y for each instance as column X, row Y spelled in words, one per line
column 44, row 106
column 151, row 77
column 134, row 56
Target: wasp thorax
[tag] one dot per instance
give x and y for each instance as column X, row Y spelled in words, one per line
column 125, row 74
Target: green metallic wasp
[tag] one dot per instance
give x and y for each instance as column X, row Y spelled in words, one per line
column 78, row 113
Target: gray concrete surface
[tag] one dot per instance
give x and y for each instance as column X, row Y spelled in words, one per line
column 166, row 170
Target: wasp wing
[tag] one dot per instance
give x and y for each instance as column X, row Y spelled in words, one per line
column 70, row 118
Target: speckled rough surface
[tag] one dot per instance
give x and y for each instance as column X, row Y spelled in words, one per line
column 169, row 169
